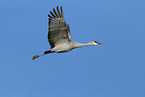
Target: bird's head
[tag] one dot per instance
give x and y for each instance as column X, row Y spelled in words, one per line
column 96, row 43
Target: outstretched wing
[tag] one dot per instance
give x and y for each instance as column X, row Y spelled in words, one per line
column 58, row 30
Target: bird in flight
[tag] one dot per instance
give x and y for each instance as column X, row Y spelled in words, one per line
column 59, row 35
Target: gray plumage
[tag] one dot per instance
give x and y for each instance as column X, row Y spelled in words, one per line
column 57, row 28
column 59, row 35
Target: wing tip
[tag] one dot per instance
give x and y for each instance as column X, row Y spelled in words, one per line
column 57, row 14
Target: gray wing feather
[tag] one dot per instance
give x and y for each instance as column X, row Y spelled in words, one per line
column 57, row 28
column 52, row 14
column 68, row 30
column 61, row 12
column 58, row 11
column 55, row 12
column 49, row 16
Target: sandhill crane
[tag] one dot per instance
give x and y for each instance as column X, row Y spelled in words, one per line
column 59, row 35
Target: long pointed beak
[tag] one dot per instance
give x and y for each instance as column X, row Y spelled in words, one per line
column 100, row 43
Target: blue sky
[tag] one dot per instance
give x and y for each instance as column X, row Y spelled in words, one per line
column 116, row 69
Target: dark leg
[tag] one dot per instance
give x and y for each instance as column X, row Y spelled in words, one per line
column 46, row 52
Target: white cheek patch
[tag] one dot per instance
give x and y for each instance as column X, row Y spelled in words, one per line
column 95, row 43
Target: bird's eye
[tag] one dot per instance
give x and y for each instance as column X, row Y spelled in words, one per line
column 95, row 41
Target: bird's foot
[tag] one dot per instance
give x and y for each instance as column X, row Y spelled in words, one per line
column 34, row 57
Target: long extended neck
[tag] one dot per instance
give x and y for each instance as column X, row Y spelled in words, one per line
column 76, row 44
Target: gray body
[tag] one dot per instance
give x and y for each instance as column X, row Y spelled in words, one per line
column 59, row 35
